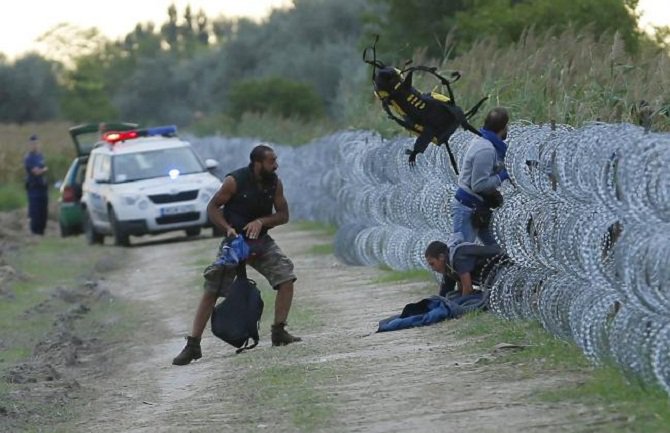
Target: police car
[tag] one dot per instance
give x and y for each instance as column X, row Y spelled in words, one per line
column 145, row 181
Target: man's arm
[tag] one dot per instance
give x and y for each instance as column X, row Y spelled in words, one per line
column 482, row 178
column 447, row 285
column 33, row 166
column 464, row 263
column 38, row 171
column 466, row 283
column 276, row 219
column 222, row 197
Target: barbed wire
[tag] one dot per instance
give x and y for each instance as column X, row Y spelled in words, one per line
column 585, row 222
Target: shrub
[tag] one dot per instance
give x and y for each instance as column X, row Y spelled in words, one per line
column 277, row 96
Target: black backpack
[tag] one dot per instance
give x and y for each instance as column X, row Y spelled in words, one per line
column 237, row 318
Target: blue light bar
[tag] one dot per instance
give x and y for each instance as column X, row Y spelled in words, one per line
column 166, row 131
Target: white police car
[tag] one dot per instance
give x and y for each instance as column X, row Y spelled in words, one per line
column 145, row 181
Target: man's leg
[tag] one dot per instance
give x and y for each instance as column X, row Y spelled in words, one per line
column 486, row 236
column 203, row 313
column 33, row 212
column 192, row 350
column 277, row 268
column 42, row 213
column 281, row 337
column 462, row 219
column 283, row 302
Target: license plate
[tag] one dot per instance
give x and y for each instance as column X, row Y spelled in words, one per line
column 174, row 210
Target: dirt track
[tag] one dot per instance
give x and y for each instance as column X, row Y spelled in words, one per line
column 339, row 379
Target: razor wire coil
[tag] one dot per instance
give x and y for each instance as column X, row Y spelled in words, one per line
column 585, row 222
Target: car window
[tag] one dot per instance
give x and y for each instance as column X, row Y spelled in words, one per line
column 81, row 172
column 156, row 163
column 100, row 168
column 105, row 170
column 93, row 164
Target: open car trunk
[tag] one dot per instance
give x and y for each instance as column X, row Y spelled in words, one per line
column 87, row 135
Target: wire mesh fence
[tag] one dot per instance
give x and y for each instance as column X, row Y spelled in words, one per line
column 585, row 222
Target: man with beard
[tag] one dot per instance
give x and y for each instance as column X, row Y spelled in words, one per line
column 248, row 196
column 482, row 172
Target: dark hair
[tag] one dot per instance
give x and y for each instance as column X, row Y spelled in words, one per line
column 496, row 120
column 258, row 153
column 436, row 248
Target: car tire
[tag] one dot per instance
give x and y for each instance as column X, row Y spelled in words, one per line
column 92, row 237
column 193, row 231
column 121, row 238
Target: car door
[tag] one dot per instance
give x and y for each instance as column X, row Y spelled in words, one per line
column 97, row 188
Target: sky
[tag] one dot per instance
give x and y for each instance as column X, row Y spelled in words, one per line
column 23, row 21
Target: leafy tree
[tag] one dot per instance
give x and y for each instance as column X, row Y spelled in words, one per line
column 315, row 43
column 86, row 98
column 170, row 30
column 202, row 28
column 507, row 20
column 30, row 91
column 406, row 25
column 65, row 42
column 277, row 96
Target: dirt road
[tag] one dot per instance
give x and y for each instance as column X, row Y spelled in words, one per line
column 340, row 379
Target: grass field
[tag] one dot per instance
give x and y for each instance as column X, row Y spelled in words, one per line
column 638, row 407
column 33, row 312
column 55, row 143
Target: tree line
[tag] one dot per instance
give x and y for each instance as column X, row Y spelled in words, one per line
column 297, row 62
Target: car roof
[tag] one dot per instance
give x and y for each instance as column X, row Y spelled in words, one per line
column 143, row 144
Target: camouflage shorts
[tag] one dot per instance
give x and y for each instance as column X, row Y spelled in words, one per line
column 266, row 257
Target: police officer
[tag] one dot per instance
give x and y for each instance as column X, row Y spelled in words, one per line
column 36, row 185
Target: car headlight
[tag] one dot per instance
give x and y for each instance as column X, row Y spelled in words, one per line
column 206, row 194
column 130, row 199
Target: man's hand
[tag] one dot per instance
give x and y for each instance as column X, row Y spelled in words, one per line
column 253, row 229
column 231, row 233
column 412, row 156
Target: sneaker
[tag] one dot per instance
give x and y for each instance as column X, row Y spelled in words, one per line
column 280, row 337
column 189, row 353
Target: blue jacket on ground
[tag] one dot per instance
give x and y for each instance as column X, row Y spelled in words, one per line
column 433, row 310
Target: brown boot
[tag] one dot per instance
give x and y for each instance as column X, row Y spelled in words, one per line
column 189, row 353
column 280, row 337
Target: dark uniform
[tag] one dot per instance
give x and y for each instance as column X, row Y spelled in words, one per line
column 250, row 202
column 38, row 197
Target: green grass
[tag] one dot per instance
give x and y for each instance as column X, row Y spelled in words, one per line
column 29, row 316
column 300, row 316
column 12, row 196
column 487, row 330
column 391, row 276
column 46, row 265
column 296, row 386
column 276, row 129
column 316, row 226
column 321, row 249
column 646, row 408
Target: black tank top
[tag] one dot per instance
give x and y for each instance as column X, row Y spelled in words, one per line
column 251, row 200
